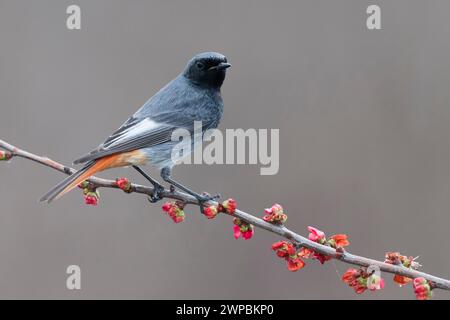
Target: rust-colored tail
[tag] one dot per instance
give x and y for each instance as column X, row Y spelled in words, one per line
column 72, row 181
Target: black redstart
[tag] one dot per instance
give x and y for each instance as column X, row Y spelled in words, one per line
column 145, row 138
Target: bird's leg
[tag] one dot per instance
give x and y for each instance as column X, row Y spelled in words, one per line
column 166, row 175
column 158, row 188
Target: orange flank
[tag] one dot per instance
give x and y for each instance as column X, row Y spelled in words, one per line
column 135, row 157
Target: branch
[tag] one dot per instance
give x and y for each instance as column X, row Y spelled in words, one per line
column 279, row 229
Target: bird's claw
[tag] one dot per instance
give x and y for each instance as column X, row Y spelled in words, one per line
column 157, row 194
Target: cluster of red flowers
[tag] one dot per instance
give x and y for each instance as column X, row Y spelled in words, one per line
column 124, row 184
column 396, row 258
column 275, row 214
column 242, row 229
column 336, row 241
column 360, row 280
column 174, row 210
column 228, row 206
column 422, row 289
column 286, row 250
column 5, row 156
column 91, row 194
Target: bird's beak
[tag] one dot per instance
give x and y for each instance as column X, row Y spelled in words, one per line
column 220, row 66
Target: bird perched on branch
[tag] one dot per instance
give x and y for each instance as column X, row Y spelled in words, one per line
column 145, row 138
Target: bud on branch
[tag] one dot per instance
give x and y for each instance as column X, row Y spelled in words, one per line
column 294, row 250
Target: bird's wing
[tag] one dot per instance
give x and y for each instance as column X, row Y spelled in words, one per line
column 171, row 108
column 139, row 133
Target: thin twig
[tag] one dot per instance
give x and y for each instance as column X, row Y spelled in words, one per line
column 281, row 230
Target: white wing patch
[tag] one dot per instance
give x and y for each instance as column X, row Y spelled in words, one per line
column 134, row 131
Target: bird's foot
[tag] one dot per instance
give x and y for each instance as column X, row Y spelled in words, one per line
column 157, row 193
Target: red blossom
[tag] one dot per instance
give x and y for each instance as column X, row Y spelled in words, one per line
column 5, row 156
column 359, row 286
column 91, row 198
column 396, row 258
column 350, row 275
column 316, row 235
column 360, row 280
column 229, row 205
column 90, row 193
column 248, row 234
column 242, row 228
column 321, row 257
column 283, row 249
column 353, row 278
column 124, row 184
column 339, row 241
column 295, row 264
column 166, row 206
column 275, row 214
column 178, row 219
column 237, row 231
column 286, row 250
column 278, row 245
column 210, row 212
column 305, row 253
column 402, row 280
column 174, row 210
column 422, row 289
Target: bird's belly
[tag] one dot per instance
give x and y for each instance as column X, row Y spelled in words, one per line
column 136, row 158
column 160, row 155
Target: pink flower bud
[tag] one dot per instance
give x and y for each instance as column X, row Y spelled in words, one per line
column 91, row 198
column 243, row 229
column 360, row 280
column 350, row 275
column 315, row 234
column 422, row 289
column 5, row 155
column 166, row 206
column 338, row 241
column 210, row 212
column 236, row 231
column 179, row 218
column 275, row 209
column 248, row 234
column 230, row 205
column 174, row 211
column 295, row 264
column 275, row 214
column 124, row 184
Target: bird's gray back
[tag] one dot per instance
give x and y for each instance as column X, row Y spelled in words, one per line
column 181, row 102
column 177, row 105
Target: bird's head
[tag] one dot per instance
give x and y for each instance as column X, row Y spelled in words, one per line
column 207, row 69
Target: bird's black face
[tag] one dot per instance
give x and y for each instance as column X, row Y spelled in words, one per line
column 207, row 69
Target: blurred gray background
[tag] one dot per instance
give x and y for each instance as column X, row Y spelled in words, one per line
column 364, row 125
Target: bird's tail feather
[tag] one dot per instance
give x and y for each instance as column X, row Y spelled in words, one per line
column 73, row 180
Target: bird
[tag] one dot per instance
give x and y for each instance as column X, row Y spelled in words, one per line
column 145, row 137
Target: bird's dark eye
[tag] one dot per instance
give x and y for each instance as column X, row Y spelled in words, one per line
column 200, row 65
